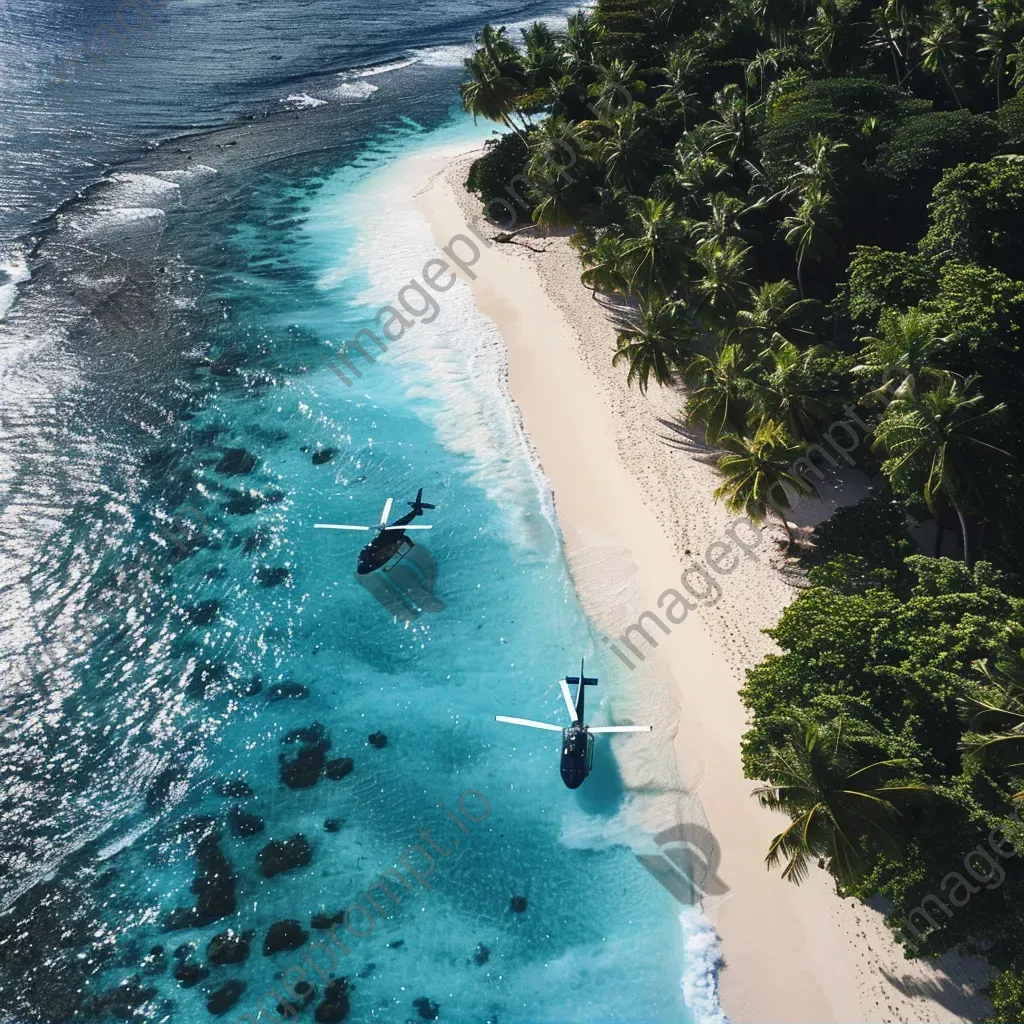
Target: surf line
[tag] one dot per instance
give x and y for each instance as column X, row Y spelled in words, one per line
column 435, row 269
column 438, row 275
column 296, row 981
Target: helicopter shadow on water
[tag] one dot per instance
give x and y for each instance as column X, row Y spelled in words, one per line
column 397, row 572
column 405, row 588
column 605, row 791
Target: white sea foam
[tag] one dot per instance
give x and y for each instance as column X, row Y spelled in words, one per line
column 381, row 69
column 123, row 842
column 103, row 220
column 302, row 101
column 453, row 54
column 582, row 830
column 98, row 284
column 450, row 56
column 454, row 367
column 140, row 190
column 702, row 960
column 183, row 175
column 354, row 90
column 13, row 271
column 134, row 232
column 555, row 22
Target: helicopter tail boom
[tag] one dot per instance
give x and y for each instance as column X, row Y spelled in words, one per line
column 419, row 504
column 580, row 682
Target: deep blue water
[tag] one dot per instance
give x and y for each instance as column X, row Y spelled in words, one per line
column 170, row 629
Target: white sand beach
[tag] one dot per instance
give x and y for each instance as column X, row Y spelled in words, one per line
column 633, row 495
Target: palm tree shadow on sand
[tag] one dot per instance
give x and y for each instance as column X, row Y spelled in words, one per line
column 957, row 982
column 686, row 439
column 621, row 313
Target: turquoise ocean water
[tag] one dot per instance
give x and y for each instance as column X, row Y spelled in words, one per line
column 160, row 678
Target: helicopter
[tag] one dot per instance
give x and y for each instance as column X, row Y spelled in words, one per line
column 390, row 540
column 578, row 738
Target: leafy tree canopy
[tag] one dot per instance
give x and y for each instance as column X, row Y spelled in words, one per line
column 879, row 278
column 978, row 216
column 897, row 663
column 497, row 170
column 838, row 108
column 981, row 313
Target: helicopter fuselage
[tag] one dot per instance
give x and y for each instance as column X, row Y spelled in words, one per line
column 380, row 551
column 577, row 755
column 384, row 546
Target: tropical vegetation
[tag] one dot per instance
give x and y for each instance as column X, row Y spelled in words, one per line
column 797, row 209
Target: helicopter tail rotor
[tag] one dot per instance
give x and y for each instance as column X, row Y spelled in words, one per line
column 419, row 504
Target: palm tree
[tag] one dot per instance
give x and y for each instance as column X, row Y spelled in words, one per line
column 731, row 128
column 885, row 18
column 683, row 72
column 489, row 93
column 700, row 169
column 942, row 47
column 773, row 19
column 757, row 69
column 720, row 395
column 580, row 44
column 994, row 710
column 754, row 468
column 655, row 254
column 829, row 22
column 723, row 214
column 626, row 149
column 1016, row 61
column 998, row 44
column 616, row 87
column 605, row 271
column 932, row 438
column 807, row 230
column 840, row 807
column 720, row 280
column 788, row 392
column 557, row 204
column 774, row 308
column 656, row 345
column 555, row 147
column 902, row 352
column 542, row 58
column 818, row 171
column 498, row 49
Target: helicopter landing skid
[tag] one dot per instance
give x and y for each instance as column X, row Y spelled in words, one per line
column 407, row 546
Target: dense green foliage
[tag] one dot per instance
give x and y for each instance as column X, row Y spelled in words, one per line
column 505, row 161
column 813, row 212
column 977, row 216
column 880, row 279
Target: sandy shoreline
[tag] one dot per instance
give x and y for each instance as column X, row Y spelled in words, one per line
column 632, row 490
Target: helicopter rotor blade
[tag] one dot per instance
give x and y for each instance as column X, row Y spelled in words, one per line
column 384, row 529
column 620, row 728
column 332, row 526
column 567, row 697
column 387, row 511
column 528, row 722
